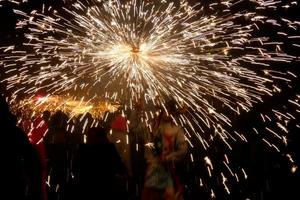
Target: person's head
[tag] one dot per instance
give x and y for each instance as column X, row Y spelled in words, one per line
column 119, row 110
column 46, row 115
column 58, row 120
column 171, row 110
column 139, row 105
column 86, row 121
column 171, row 106
column 86, row 118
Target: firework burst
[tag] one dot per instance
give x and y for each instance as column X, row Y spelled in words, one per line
column 214, row 65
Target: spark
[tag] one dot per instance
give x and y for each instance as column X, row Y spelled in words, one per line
column 213, row 65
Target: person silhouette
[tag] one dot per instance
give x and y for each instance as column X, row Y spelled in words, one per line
column 100, row 167
column 168, row 148
column 21, row 171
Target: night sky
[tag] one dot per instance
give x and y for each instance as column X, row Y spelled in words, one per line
column 285, row 184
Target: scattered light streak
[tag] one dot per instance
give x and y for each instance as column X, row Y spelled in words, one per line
column 122, row 52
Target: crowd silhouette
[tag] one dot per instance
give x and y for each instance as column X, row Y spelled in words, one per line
column 21, row 176
column 80, row 157
column 52, row 156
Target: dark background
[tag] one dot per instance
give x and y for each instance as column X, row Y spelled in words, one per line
column 269, row 171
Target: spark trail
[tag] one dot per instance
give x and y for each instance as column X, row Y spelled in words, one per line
column 210, row 58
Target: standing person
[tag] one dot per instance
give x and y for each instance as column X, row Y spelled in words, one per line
column 137, row 131
column 36, row 137
column 59, row 156
column 20, row 169
column 99, row 166
column 26, row 121
column 168, row 148
column 119, row 136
